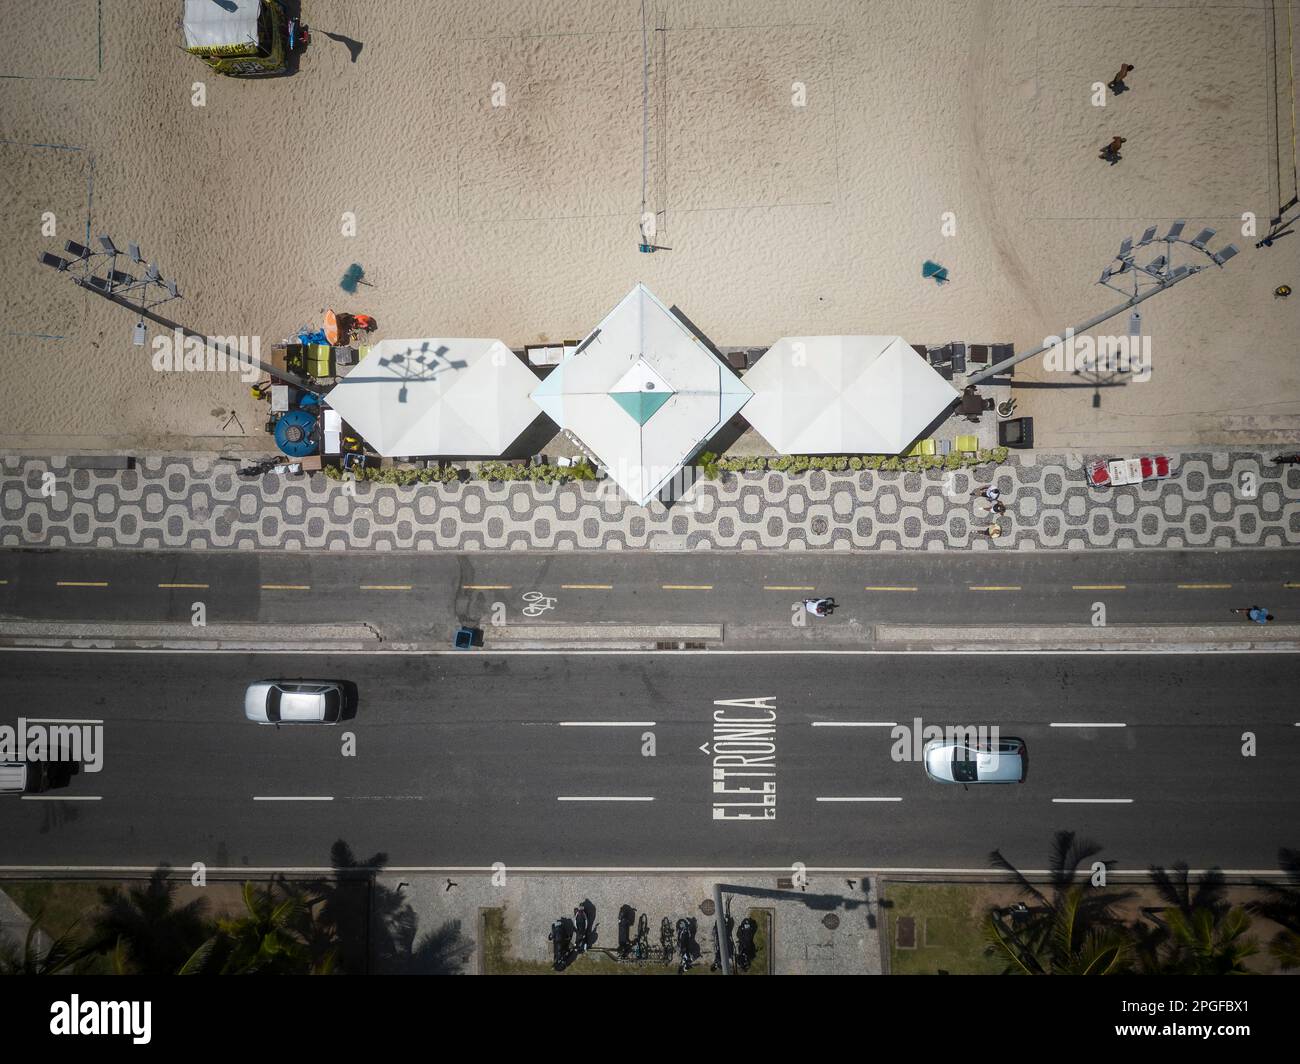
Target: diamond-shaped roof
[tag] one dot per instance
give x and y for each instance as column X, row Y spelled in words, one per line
column 642, row 393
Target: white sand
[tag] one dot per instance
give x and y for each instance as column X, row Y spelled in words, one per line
column 521, row 222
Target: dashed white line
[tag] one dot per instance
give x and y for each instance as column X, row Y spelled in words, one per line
column 1087, row 724
column 858, row 799
column 855, row 724
column 601, row 798
column 63, row 797
column 1092, row 801
column 607, row 724
column 292, row 798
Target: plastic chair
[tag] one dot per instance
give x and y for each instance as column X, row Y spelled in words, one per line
column 968, row 444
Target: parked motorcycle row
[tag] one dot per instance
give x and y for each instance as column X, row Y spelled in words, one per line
column 570, row 937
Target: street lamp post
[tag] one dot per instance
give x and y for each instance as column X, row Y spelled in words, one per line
column 1141, row 282
column 97, row 272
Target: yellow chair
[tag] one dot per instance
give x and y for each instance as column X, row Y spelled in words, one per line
column 968, row 444
column 923, row 448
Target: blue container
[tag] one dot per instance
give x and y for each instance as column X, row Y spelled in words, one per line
column 464, row 638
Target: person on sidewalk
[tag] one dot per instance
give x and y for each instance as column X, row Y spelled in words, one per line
column 989, row 492
column 1256, row 613
column 993, row 531
column 1286, row 459
column 1110, row 153
column 1116, row 84
column 996, row 508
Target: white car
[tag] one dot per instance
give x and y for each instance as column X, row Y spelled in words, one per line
column 294, row 702
column 1005, row 761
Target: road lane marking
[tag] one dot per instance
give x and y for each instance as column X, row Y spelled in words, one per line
column 1085, row 724
column 4, row 581
column 586, row 587
column 855, row 724
column 600, row 798
column 1291, row 586
column 859, row 799
column 787, row 587
column 385, row 587
column 888, row 588
column 286, row 587
column 1099, row 587
column 292, row 798
column 196, row 587
column 687, row 587
column 486, row 587
column 63, row 797
column 1092, row 801
column 1203, row 587
column 994, row 587
column 61, row 720
column 83, row 583
column 607, row 724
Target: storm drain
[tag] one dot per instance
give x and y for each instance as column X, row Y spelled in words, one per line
column 830, row 921
column 706, row 906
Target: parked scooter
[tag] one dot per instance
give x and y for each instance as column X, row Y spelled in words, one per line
column 730, row 925
column 626, row 918
column 584, row 925
column 685, row 947
column 561, row 940
column 745, row 948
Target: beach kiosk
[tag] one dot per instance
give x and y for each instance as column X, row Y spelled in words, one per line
column 239, row 38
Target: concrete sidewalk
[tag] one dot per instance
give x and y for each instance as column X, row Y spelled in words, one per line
column 829, row 927
column 1214, row 499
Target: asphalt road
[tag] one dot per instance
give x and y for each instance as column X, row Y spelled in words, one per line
column 464, row 760
column 407, row 595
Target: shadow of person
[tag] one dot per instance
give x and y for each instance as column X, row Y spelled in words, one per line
column 354, row 47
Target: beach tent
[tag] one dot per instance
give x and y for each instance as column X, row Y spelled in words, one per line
column 642, row 393
column 209, row 24
column 844, row 395
column 437, row 396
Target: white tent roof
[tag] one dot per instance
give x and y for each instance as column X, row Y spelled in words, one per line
column 844, row 394
column 642, row 393
column 437, row 397
column 211, row 24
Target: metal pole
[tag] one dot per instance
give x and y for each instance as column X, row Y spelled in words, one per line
column 724, row 940
column 1091, row 323
column 278, row 374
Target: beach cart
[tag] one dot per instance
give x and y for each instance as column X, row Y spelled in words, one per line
column 1107, row 473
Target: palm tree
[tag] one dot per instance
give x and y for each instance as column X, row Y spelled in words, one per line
column 1071, row 931
column 63, row 954
column 1281, row 904
column 1198, row 932
column 271, row 938
column 145, row 931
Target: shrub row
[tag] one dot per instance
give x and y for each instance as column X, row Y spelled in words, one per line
column 498, row 471
column 713, row 466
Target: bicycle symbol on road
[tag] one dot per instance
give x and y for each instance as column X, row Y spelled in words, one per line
column 537, row 603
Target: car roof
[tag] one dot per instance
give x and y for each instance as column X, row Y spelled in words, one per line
column 301, row 703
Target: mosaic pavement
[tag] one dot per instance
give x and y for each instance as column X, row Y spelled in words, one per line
column 1213, row 500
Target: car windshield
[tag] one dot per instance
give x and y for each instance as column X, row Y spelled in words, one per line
column 963, row 768
column 273, row 704
column 331, row 703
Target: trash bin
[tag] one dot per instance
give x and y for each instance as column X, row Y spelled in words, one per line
column 465, row 638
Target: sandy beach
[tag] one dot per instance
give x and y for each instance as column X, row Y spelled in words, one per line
column 520, row 221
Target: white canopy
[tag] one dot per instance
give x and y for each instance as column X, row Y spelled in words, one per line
column 217, row 23
column 436, row 396
column 643, row 393
column 844, row 395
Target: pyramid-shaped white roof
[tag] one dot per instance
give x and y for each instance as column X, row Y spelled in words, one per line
column 437, row 396
column 844, row 395
column 602, row 395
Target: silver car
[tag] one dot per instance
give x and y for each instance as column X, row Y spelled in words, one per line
column 294, row 702
column 1004, row 761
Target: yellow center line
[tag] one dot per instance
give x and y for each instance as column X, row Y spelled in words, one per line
column 1099, row 587
column 184, row 585
column 286, row 587
column 1291, row 586
column 1204, row 587
column 994, row 587
column 885, row 587
column 4, row 581
column 586, row 587
column 787, row 587
column 486, row 587
column 385, row 587
column 82, row 583
column 688, row 587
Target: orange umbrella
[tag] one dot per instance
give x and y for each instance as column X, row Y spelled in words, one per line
column 331, row 327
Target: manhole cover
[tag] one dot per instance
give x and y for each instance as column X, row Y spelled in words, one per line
column 830, row 921
column 819, row 526
column 706, row 906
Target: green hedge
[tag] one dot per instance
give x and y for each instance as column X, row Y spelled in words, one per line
column 712, row 466
column 497, row 471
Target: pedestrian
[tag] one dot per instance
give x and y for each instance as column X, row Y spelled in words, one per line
column 996, row 508
column 1256, row 613
column 989, row 492
column 1287, row 459
column 1110, row 153
column 1116, row 84
column 993, row 531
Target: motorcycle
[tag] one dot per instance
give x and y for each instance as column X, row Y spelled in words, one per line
column 584, row 925
column 684, row 946
column 745, row 948
column 560, row 939
column 626, row 918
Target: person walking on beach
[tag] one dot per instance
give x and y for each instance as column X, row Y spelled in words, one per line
column 1116, row 84
column 1256, row 613
column 1110, row 153
column 993, row 531
column 989, row 491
